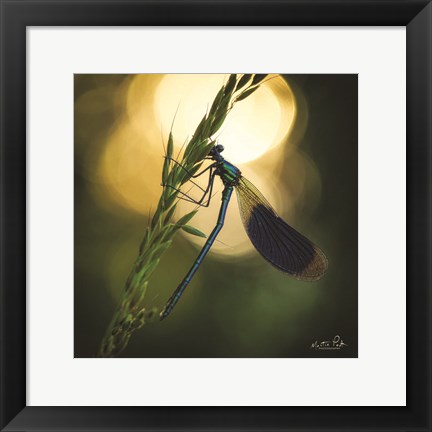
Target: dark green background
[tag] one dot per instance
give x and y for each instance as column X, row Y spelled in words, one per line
column 245, row 308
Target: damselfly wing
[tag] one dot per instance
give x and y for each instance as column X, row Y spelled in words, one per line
column 280, row 244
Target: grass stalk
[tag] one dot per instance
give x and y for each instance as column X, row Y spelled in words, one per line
column 132, row 312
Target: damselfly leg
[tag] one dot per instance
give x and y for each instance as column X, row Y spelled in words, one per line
column 207, row 192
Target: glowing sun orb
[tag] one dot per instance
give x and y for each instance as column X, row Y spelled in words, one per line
column 255, row 124
column 254, row 134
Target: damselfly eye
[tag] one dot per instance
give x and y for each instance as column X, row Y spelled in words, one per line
column 220, row 148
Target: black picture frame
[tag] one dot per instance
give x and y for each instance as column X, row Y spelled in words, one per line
column 16, row 15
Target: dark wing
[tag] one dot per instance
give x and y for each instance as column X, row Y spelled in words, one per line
column 275, row 240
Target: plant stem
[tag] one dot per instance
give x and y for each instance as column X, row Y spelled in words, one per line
column 132, row 314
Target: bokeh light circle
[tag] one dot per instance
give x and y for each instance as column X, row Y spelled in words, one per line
column 255, row 136
column 254, row 125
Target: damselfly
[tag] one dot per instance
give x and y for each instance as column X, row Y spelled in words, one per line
column 280, row 244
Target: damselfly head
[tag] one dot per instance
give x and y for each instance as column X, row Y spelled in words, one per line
column 219, row 148
column 216, row 150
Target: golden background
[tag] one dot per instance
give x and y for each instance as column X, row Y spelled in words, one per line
column 295, row 139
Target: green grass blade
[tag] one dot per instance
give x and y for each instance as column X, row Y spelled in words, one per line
column 194, row 231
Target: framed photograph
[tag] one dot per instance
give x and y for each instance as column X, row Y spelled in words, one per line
column 214, row 219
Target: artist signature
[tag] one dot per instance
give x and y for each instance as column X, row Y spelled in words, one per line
column 335, row 344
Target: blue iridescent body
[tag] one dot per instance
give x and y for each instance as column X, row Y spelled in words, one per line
column 226, row 195
column 280, row 244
